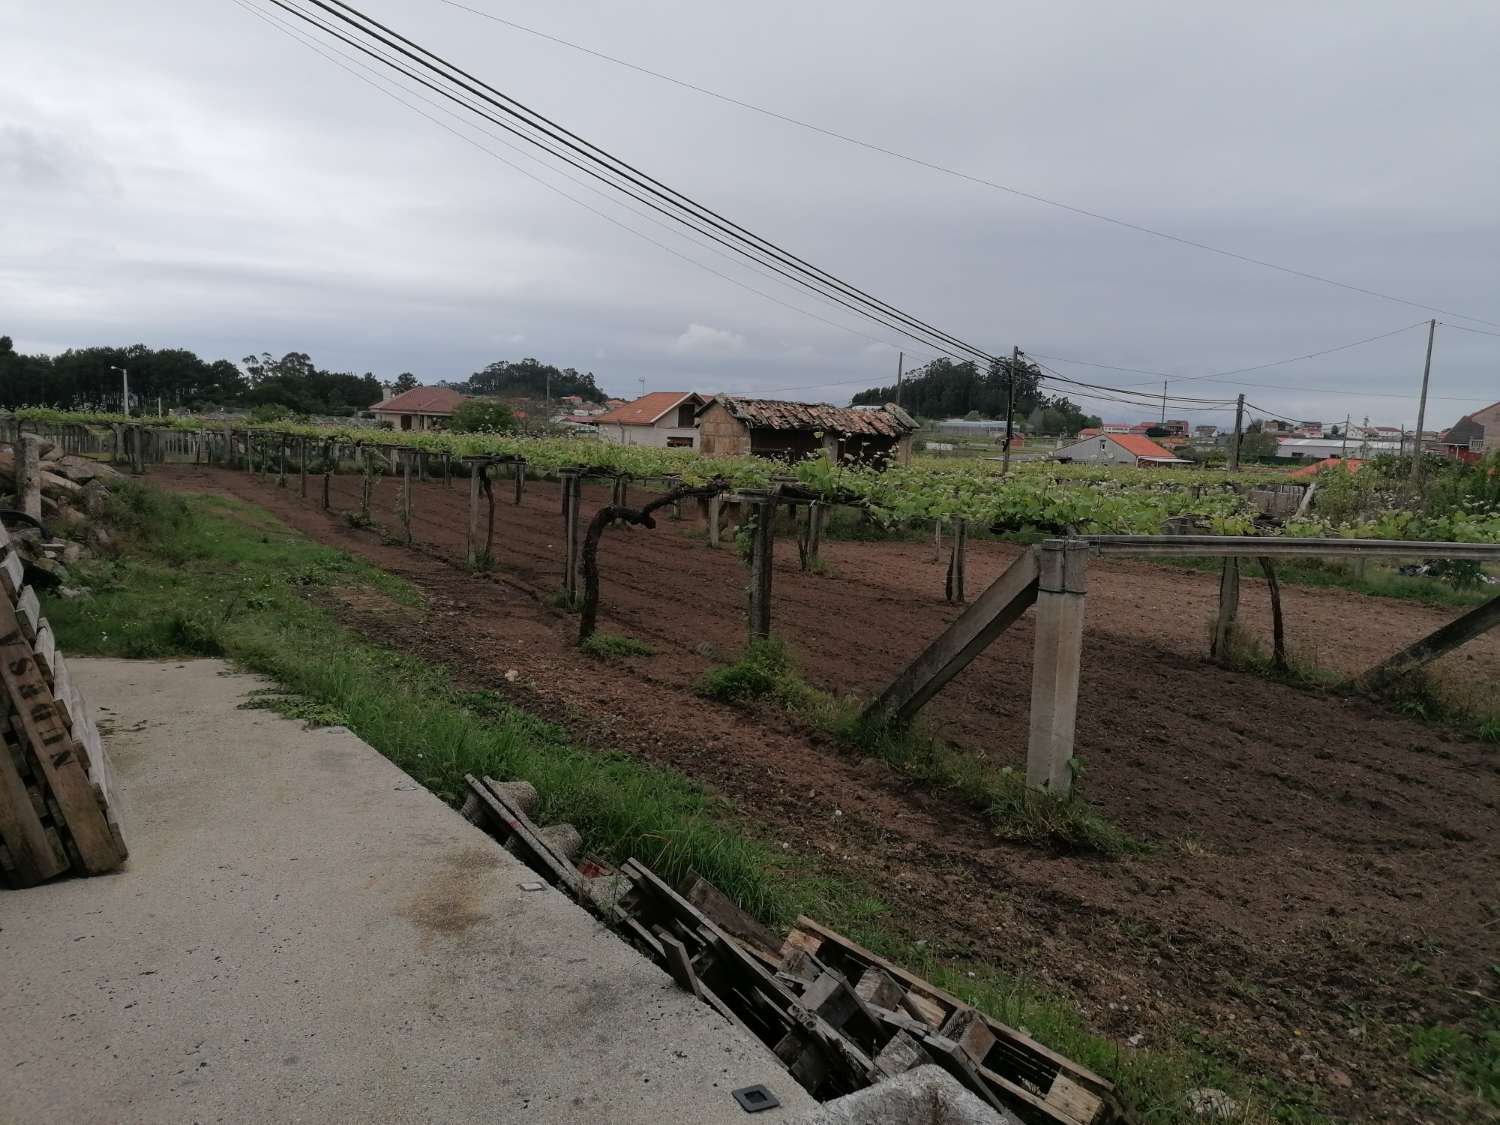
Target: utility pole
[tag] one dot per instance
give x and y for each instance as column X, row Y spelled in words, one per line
column 1163, row 402
column 900, row 374
column 1344, row 451
column 1234, row 446
column 1010, row 408
column 124, row 388
column 1416, row 457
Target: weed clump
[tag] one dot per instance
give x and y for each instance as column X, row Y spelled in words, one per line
column 612, row 645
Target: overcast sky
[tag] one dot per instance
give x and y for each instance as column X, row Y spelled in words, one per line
column 180, row 173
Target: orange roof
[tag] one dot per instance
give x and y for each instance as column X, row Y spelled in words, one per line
column 1350, row 463
column 1142, row 446
column 645, row 410
column 422, row 400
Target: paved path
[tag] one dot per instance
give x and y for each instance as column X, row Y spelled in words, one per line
column 302, row 934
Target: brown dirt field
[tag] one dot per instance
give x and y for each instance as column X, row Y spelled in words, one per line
column 1325, row 869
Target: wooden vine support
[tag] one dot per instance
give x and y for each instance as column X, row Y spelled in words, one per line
column 604, row 517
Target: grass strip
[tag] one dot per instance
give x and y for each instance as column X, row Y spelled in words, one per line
column 209, row 576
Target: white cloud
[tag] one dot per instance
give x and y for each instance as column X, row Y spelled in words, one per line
column 701, row 340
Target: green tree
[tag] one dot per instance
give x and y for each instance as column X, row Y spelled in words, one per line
column 533, row 378
column 1257, row 445
column 479, row 415
column 404, row 382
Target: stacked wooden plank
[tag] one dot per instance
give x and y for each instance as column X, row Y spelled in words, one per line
column 56, row 814
column 837, row 1016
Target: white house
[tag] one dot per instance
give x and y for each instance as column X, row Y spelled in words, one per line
column 663, row 419
column 1117, row 449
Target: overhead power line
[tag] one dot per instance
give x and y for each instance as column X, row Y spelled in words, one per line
column 970, row 177
column 503, row 110
column 384, row 86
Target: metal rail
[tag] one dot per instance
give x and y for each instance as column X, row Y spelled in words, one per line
column 1276, row 546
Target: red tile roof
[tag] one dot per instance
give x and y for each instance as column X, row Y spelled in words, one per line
column 645, row 410
column 422, row 400
column 770, row 414
column 1141, row 446
column 1350, row 463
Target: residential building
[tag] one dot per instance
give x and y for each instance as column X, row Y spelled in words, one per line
column 421, row 408
column 1473, row 435
column 731, row 426
column 662, row 419
column 1118, row 449
column 1318, row 449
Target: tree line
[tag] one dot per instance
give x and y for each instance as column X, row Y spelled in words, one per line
column 90, row 379
column 949, row 389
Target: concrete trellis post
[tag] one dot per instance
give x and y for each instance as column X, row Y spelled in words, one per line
column 715, row 507
column 330, row 462
column 302, row 467
column 28, row 471
column 1062, row 586
column 520, row 475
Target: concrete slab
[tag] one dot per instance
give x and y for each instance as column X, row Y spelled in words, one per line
column 304, row 934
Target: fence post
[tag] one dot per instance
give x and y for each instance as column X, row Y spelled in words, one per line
column 281, row 470
column 447, row 470
column 28, row 470
column 674, row 482
column 762, row 551
column 520, row 475
column 1229, row 605
column 330, row 462
column 405, row 492
column 368, row 485
column 715, row 504
column 477, row 470
column 957, row 562
column 572, row 487
column 227, row 459
column 302, row 466
column 1061, row 592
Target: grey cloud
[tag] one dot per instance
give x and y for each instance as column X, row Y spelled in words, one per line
column 188, row 176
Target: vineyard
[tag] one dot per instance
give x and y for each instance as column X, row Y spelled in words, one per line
column 1461, row 505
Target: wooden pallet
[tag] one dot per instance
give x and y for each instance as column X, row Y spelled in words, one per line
column 1014, row 1070
column 56, row 812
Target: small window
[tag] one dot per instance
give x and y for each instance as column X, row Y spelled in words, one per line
column 1104, row 443
column 679, row 443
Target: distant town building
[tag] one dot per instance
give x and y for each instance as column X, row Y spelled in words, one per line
column 419, row 409
column 662, row 419
column 1118, row 449
column 1318, row 449
column 729, row 426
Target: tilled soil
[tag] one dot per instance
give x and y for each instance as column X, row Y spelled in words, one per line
column 1324, row 869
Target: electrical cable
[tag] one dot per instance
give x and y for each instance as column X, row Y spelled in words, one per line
column 1099, row 216
column 282, row 25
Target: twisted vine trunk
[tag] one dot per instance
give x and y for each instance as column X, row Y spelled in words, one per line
column 611, row 513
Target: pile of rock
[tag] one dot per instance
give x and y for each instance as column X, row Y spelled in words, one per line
column 55, row 501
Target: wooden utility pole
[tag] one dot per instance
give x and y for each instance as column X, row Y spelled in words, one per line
column 1010, row 411
column 900, row 374
column 1416, row 459
column 1239, row 429
column 1344, row 448
column 1164, row 402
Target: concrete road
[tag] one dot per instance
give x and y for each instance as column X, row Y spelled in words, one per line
column 302, row 934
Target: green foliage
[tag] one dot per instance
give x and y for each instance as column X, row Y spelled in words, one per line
column 764, row 672
column 949, row 389
column 1470, row 1059
column 482, row 416
column 1258, row 446
column 610, row 645
column 532, row 378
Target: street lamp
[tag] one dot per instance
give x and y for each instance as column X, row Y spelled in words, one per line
column 124, row 389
